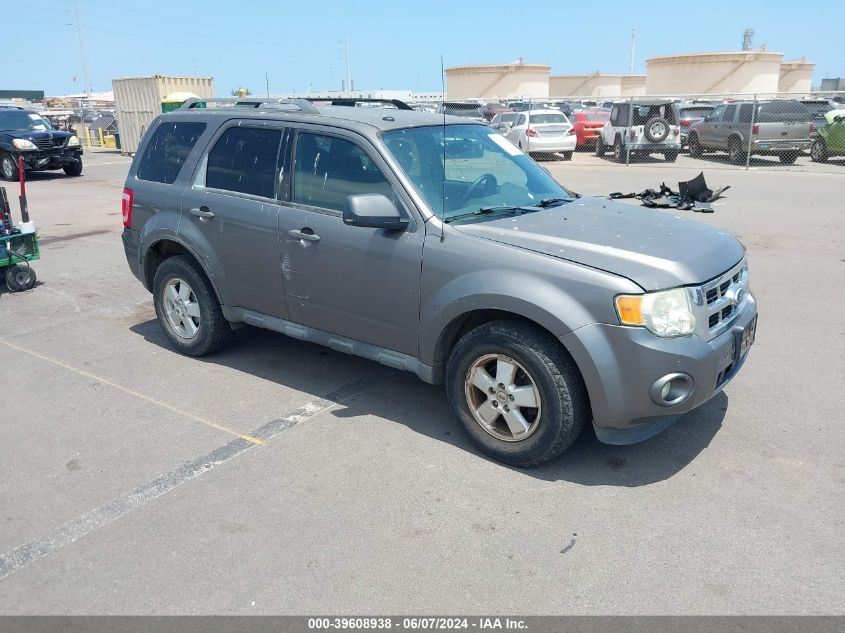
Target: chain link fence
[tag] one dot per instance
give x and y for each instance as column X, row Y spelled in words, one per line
column 799, row 131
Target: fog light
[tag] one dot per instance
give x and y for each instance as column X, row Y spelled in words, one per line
column 672, row 389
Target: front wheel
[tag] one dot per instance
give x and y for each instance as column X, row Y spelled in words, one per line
column 517, row 393
column 9, row 167
column 187, row 308
column 74, row 169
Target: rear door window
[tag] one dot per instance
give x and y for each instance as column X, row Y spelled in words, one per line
column 745, row 112
column 729, row 113
column 244, row 160
column 167, row 150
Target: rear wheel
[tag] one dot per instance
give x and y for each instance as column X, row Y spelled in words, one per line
column 567, row 155
column 187, row 308
column 20, row 277
column 735, row 153
column 671, row 156
column 9, row 167
column 518, row 395
column 787, row 158
column 618, row 150
column 601, row 148
column 818, row 152
column 695, row 149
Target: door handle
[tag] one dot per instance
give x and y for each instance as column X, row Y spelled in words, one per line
column 304, row 234
column 202, row 213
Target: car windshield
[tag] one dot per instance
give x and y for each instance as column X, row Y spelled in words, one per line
column 21, row 120
column 482, row 169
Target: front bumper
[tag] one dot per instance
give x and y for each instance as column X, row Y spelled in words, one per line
column 621, row 364
column 36, row 160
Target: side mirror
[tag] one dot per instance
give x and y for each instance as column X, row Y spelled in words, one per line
column 373, row 210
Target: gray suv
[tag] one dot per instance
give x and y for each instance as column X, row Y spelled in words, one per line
column 433, row 245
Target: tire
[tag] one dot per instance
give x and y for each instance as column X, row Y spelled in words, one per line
column 671, row 156
column 20, row 277
column 601, row 148
column 735, row 153
column 818, row 151
column 195, row 302
column 695, row 148
column 656, row 129
column 9, row 167
column 618, row 150
column 74, row 169
column 787, row 158
column 567, row 155
column 541, row 366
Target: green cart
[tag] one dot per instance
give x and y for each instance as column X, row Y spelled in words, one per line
column 16, row 251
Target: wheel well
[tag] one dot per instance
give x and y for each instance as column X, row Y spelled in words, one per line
column 462, row 324
column 157, row 253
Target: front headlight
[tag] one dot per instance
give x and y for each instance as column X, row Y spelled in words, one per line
column 73, row 142
column 22, row 143
column 667, row 313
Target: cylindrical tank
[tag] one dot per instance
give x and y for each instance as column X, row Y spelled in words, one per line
column 796, row 76
column 497, row 81
column 741, row 72
column 591, row 85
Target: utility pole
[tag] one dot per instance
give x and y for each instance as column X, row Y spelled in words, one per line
column 346, row 57
column 633, row 47
column 87, row 87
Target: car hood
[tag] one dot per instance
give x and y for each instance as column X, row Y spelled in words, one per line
column 830, row 115
column 654, row 249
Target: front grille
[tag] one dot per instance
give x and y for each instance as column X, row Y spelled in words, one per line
column 720, row 296
column 48, row 142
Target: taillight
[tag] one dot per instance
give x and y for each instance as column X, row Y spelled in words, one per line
column 686, row 123
column 530, row 132
column 126, row 207
column 632, row 134
column 570, row 131
column 812, row 128
column 755, row 130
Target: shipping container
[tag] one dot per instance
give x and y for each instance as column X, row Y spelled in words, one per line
column 138, row 102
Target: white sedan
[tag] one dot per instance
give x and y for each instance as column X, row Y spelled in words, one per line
column 543, row 132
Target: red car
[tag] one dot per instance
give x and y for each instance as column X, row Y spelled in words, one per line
column 587, row 124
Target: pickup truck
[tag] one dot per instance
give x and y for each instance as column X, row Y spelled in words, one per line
column 781, row 128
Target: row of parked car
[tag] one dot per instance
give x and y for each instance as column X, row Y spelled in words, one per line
column 630, row 129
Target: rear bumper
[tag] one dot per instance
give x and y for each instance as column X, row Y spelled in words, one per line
column 565, row 144
column 620, row 366
column 132, row 249
column 655, row 147
column 777, row 145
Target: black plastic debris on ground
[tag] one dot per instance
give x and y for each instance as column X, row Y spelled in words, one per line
column 692, row 195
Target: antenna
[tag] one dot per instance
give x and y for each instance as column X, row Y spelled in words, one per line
column 443, row 107
column 346, row 57
column 87, row 86
column 633, row 47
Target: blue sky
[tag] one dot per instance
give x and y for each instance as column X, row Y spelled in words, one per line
column 392, row 44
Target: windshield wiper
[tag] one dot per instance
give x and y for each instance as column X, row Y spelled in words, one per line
column 493, row 209
column 552, row 202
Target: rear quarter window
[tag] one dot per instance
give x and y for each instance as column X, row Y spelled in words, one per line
column 167, row 150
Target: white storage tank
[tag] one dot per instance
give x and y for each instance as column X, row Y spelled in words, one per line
column 591, row 85
column 137, row 102
column 796, row 76
column 741, row 72
column 498, row 81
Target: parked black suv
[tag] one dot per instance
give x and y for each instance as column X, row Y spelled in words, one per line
column 25, row 134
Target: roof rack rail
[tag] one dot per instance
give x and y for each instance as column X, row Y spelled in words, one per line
column 304, row 106
column 350, row 101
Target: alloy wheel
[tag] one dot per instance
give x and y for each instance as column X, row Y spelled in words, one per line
column 502, row 397
column 181, row 308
